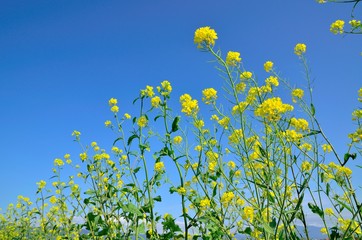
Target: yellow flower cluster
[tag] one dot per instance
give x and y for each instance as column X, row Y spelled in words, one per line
column 224, row 122
column 181, row 191
column 299, row 124
column 327, row 148
column 272, row 81
column 248, row 213
column 165, row 88
column 159, row 166
column 41, row 184
column 113, row 104
column 205, row 36
column 268, row 66
column 360, row 95
column 142, row 121
column 236, row 136
column 297, row 94
column 58, row 162
column 155, row 101
column 209, row 95
column 177, row 139
column 356, row 136
column 205, row 203
column 292, row 135
column 233, row 58
column 239, row 108
column 189, row 106
column 337, row 27
column 246, row 75
column 300, row 48
column 306, row 166
column 147, row 92
column 355, row 23
column 272, row 109
column 226, row 198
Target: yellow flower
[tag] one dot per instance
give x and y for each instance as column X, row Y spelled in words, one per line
column 231, row 165
column 272, row 81
column 360, row 95
column 233, row 58
column 155, row 101
column 268, row 66
column 337, row 27
column 181, row 191
column 239, row 108
column 177, row 139
column 198, row 148
column 159, row 166
column 165, row 88
column 205, row 36
column 306, row 166
column 148, row 92
column 209, row 95
column 236, row 136
column 329, row 211
column 83, row 156
column 199, row 123
column 205, row 203
column 224, row 122
column 299, row 124
column 272, row 109
column 58, row 162
column 75, row 133
column 142, row 122
column 245, row 75
column 52, row 199
column 324, row 230
column 240, row 87
column 327, row 148
column 127, row 116
column 226, row 198
column 248, row 213
column 189, row 106
column 355, row 23
column 297, row 94
column 108, row 123
column 115, row 109
column 112, row 102
column 41, row 184
column 300, row 48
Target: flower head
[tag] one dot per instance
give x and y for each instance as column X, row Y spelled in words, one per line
column 297, row 94
column 245, row 75
column 189, row 105
column 205, row 37
column 142, row 122
column 337, row 27
column 209, row 95
column 112, row 102
column 233, row 58
column 268, row 66
column 159, row 166
column 300, row 48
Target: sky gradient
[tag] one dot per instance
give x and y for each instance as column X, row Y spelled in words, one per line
column 60, row 62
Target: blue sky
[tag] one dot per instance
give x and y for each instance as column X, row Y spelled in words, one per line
column 60, row 62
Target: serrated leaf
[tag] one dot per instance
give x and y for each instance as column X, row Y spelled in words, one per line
column 315, row 209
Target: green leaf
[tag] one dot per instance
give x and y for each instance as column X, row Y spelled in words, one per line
column 157, row 198
column 120, row 138
column 315, row 209
column 157, row 117
column 267, row 228
column 175, row 122
column 130, row 139
column 131, row 208
column 312, row 108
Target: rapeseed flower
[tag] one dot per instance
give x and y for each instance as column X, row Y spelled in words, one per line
column 360, row 95
column 142, row 122
column 205, row 203
column 268, row 66
column 147, row 92
column 306, row 166
column 337, row 27
column 224, row 122
column 355, row 23
column 246, row 75
column 272, row 81
column 248, row 213
column 112, row 102
column 209, row 95
column 58, row 162
column 327, row 148
column 226, row 198
column 177, row 139
column 233, row 58
column 115, row 109
column 205, row 37
column 189, row 106
column 272, row 109
column 159, row 166
column 127, row 116
column 297, row 94
column 300, row 49
column 107, row 123
column 155, row 101
column 41, row 184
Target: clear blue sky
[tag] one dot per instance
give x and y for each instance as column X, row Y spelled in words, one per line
column 60, row 62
